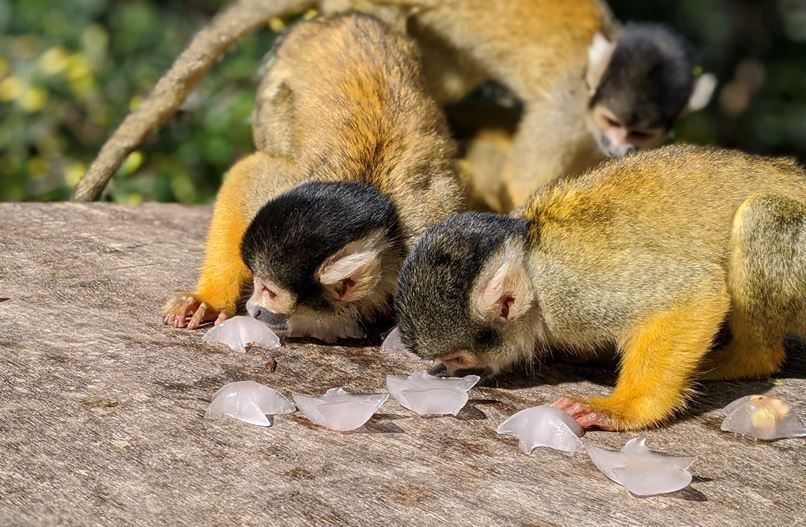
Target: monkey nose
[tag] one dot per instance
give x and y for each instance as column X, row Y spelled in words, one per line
column 273, row 320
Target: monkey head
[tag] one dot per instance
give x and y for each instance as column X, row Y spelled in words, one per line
column 464, row 296
column 325, row 259
column 639, row 86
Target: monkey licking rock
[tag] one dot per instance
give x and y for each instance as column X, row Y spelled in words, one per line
column 356, row 165
column 648, row 254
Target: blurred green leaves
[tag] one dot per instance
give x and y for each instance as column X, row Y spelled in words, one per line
column 71, row 70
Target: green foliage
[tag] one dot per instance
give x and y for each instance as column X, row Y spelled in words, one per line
column 757, row 49
column 70, row 70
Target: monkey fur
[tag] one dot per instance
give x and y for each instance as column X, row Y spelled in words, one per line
column 648, row 254
column 358, row 165
column 538, row 49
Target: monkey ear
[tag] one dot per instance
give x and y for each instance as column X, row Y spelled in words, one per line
column 704, row 87
column 504, row 296
column 599, row 54
column 353, row 271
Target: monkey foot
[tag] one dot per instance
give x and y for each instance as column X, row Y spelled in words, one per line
column 186, row 310
column 584, row 414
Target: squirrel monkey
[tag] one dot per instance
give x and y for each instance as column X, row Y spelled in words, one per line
column 355, row 165
column 649, row 253
column 538, row 49
column 637, row 88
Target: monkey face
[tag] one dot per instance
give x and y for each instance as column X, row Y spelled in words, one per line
column 616, row 139
column 464, row 296
column 639, row 86
column 325, row 259
column 271, row 303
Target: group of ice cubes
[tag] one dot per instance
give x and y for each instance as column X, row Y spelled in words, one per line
column 762, row 417
column 338, row 409
column 640, row 470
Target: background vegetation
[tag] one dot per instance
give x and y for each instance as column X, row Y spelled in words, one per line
column 70, row 70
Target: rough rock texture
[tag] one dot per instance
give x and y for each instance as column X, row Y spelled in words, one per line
column 101, row 412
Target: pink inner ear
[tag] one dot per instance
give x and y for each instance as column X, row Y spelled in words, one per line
column 505, row 303
column 345, row 288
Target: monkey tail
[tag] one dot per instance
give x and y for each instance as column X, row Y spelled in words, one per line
column 206, row 48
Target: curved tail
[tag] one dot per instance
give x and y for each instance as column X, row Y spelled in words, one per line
column 206, row 48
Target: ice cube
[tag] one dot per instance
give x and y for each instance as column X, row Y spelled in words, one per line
column 642, row 471
column 393, row 345
column 339, row 410
column 429, row 395
column 544, row 426
column 249, row 402
column 392, row 342
column 240, row 332
column 762, row 417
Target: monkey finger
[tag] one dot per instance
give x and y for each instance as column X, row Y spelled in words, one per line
column 596, row 420
column 564, row 403
column 221, row 318
column 203, row 314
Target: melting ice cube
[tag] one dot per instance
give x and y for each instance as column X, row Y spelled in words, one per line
column 240, row 332
column 338, row 409
column 249, row 402
column 544, row 426
column 642, row 471
column 762, row 417
column 393, row 344
column 429, row 395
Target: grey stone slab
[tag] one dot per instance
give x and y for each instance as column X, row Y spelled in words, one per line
column 101, row 412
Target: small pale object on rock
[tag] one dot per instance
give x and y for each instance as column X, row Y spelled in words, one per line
column 642, row 471
column 544, row 426
column 393, row 344
column 762, row 417
column 429, row 395
column 249, row 402
column 339, row 410
column 240, row 332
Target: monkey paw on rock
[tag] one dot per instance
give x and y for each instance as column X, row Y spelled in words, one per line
column 586, row 415
column 191, row 311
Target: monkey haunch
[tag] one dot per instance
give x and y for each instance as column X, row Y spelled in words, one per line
column 355, row 165
column 651, row 253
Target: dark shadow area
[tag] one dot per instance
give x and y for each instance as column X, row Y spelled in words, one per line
column 689, row 494
column 712, row 395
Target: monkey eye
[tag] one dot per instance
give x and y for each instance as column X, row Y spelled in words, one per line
column 612, row 122
column 272, row 294
column 637, row 134
column 644, row 136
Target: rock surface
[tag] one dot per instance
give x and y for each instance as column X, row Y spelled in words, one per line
column 101, row 412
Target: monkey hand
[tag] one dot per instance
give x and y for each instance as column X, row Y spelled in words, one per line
column 191, row 311
column 589, row 414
